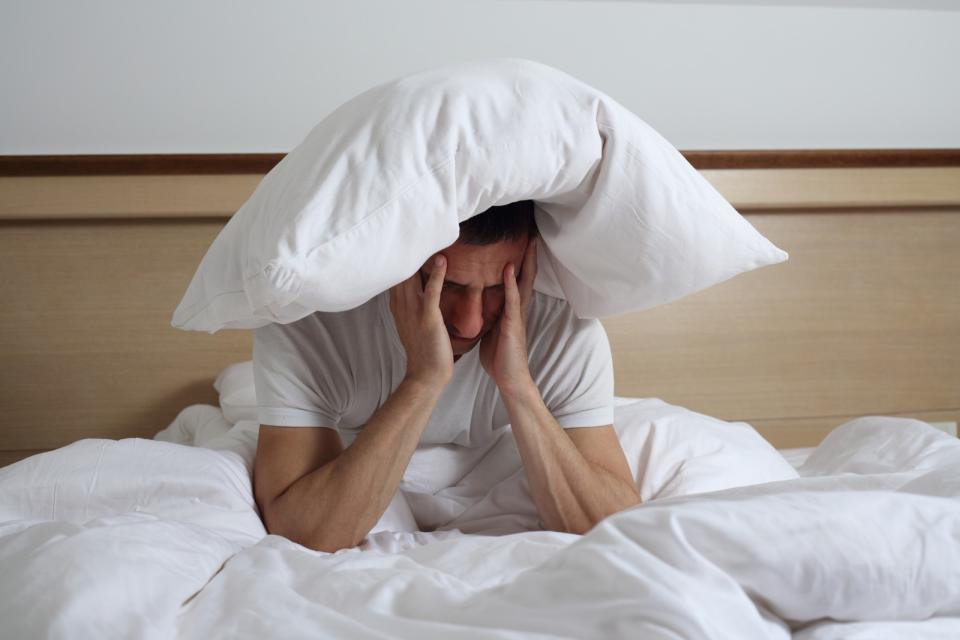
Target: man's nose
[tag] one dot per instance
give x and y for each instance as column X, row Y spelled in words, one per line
column 467, row 318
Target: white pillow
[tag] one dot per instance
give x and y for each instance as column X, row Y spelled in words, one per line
column 238, row 399
column 383, row 182
column 673, row 451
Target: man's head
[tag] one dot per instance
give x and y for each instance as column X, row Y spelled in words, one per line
column 472, row 297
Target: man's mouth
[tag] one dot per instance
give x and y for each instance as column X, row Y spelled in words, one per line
column 462, row 345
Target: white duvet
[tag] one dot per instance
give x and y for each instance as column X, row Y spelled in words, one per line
column 152, row 539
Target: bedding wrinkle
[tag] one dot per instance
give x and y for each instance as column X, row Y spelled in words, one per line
column 93, row 479
column 213, row 577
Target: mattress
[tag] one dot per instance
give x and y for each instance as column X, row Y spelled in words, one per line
column 856, row 538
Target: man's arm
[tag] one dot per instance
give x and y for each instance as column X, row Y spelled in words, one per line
column 335, row 506
column 578, row 478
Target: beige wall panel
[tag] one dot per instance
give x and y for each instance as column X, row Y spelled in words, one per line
column 808, row 432
column 863, row 318
column 86, row 197
column 86, row 346
column 9, row 457
column 836, row 187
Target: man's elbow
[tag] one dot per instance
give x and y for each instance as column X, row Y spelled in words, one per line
column 279, row 522
column 631, row 498
column 326, row 545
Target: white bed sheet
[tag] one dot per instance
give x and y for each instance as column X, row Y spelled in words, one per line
column 154, row 539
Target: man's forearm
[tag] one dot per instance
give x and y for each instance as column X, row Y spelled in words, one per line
column 571, row 493
column 336, row 505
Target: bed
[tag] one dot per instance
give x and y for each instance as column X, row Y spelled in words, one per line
column 126, row 508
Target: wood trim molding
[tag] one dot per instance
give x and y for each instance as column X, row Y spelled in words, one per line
column 823, row 158
column 139, row 165
column 260, row 163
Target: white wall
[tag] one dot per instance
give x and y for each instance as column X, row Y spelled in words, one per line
column 212, row 76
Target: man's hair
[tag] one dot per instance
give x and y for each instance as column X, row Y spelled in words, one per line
column 496, row 224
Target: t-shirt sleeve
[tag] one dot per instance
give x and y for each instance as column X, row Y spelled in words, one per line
column 299, row 375
column 572, row 365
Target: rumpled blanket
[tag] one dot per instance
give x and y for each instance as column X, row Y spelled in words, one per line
column 154, row 539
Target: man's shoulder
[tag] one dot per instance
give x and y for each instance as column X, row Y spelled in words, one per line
column 552, row 324
column 355, row 318
column 547, row 310
column 329, row 329
column 559, row 341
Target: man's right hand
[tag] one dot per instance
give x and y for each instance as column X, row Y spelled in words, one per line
column 416, row 312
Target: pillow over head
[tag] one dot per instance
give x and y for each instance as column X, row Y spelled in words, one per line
column 383, row 182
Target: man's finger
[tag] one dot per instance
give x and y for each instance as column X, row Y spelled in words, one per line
column 529, row 272
column 511, row 291
column 402, row 291
column 435, row 284
column 397, row 291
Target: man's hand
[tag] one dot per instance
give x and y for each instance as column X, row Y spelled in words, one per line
column 503, row 351
column 416, row 312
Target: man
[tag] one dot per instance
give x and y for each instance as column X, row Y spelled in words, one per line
column 443, row 357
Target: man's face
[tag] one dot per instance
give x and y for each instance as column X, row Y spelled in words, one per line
column 472, row 298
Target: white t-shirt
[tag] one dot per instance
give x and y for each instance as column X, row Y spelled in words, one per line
column 336, row 369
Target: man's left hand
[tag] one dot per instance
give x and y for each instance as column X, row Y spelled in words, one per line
column 503, row 351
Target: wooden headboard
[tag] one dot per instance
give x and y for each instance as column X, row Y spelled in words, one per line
column 864, row 319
